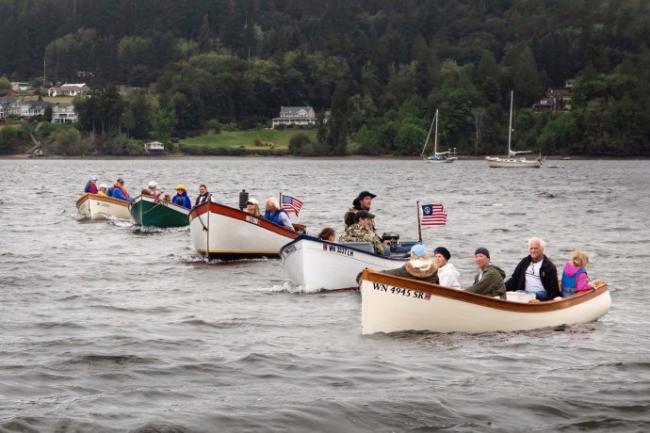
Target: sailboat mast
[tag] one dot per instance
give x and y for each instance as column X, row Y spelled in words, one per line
column 512, row 97
column 435, row 137
column 424, row 148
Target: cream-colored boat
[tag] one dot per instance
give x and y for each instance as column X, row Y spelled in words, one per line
column 395, row 304
column 96, row 207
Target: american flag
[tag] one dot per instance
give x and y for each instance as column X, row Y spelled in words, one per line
column 291, row 204
column 434, row 215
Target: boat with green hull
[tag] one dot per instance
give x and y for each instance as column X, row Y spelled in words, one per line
column 148, row 212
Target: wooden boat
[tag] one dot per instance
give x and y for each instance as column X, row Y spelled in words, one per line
column 226, row 233
column 394, row 304
column 436, row 156
column 512, row 160
column 95, row 207
column 315, row 264
column 148, row 212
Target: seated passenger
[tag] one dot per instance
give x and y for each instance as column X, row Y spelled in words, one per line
column 181, row 198
column 204, row 195
column 447, row 273
column 166, row 198
column 253, row 208
column 361, row 231
column 154, row 191
column 327, row 234
column 419, row 266
column 489, row 280
column 574, row 276
column 103, row 189
column 119, row 192
column 91, row 185
column 276, row 215
column 535, row 273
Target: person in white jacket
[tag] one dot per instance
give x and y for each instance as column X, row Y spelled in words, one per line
column 447, row 273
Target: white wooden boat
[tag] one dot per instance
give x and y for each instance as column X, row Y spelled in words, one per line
column 436, row 156
column 512, row 160
column 395, row 304
column 226, row 233
column 315, row 264
column 96, row 206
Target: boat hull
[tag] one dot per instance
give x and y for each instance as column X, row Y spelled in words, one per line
column 318, row 265
column 145, row 211
column 97, row 207
column 394, row 304
column 222, row 232
column 496, row 162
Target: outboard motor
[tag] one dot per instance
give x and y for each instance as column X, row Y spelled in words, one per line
column 243, row 199
column 392, row 238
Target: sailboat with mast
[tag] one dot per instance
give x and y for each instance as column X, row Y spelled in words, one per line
column 446, row 156
column 511, row 160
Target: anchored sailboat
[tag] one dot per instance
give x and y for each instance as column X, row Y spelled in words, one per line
column 512, row 161
column 436, row 156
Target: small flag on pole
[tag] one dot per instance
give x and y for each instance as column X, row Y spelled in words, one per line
column 434, row 215
column 291, row 204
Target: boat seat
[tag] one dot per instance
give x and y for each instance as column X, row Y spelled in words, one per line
column 363, row 246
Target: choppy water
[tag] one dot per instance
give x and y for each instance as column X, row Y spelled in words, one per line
column 105, row 328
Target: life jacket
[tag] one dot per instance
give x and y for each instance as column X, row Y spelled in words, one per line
column 274, row 217
column 570, row 281
column 109, row 192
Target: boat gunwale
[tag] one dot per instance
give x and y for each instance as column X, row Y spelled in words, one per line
column 321, row 241
column 240, row 215
column 482, row 300
column 89, row 196
column 171, row 206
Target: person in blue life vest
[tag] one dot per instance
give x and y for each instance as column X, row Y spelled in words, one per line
column 119, row 191
column 181, row 198
column 276, row 215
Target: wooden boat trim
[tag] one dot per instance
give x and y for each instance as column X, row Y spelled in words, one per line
column 171, row 206
column 237, row 214
column 88, row 196
column 484, row 301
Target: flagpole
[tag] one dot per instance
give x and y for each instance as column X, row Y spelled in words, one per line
column 417, row 209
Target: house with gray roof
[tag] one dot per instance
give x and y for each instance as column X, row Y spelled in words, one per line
column 301, row 117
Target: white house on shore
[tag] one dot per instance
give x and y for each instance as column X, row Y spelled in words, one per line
column 295, row 116
column 68, row 89
column 64, row 113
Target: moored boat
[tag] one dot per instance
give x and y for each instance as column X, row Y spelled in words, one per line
column 395, row 304
column 148, row 212
column 315, row 264
column 96, row 206
column 226, row 233
column 436, row 156
column 512, row 160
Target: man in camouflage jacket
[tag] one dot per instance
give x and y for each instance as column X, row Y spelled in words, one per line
column 361, row 231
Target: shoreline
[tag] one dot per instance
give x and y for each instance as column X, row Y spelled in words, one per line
column 325, row 158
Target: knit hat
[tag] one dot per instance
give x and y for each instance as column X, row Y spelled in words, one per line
column 152, row 184
column 483, row 251
column 418, row 250
column 443, row 251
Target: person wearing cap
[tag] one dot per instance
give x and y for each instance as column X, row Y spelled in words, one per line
column 181, row 198
column 362, row 231
column 119, row 191
column 204, row 195
column 420, row 266
column 362, row 202
column 447, row 273
column 253, row 208
column 103, row 189
column 535, row 273
column 276, row 215
column 489, row 279
column 91, row 185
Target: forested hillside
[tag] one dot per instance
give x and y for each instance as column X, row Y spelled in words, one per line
column 381, row 67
